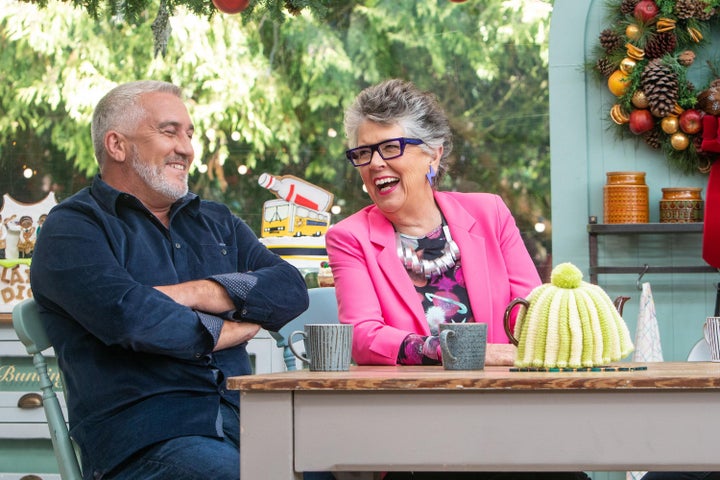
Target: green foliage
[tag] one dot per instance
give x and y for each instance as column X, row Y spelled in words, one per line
column 268, row 87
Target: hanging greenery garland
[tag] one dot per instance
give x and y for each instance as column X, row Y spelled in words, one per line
column 644, row 56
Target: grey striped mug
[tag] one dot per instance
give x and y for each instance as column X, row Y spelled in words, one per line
column 328, row 347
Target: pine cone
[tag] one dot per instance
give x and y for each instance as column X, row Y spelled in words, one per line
column 609, row 40
column 660, row 44
column 605, row 67
column 685, row 9
column 709, row 100
column 660, row 85
column 686, row 58
column 652, row 138
column 627, row 7
column 703, row 12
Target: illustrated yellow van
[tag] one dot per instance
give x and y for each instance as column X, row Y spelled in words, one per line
column 284, row 219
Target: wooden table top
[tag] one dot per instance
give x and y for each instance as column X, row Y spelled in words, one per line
column 656, row 376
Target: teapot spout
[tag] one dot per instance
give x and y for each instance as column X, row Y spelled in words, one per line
column 619, row 303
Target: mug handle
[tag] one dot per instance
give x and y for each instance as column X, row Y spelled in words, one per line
column 444, row 345
column 292, row 348
column 506, row 318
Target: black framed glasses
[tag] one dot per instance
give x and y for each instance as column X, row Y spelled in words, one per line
column 388, row 149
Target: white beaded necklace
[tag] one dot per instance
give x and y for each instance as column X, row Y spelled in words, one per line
column 429, row 268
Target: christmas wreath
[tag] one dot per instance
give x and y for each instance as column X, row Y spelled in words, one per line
column 644, row 57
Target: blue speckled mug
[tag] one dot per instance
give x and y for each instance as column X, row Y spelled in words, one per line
column 463, row 345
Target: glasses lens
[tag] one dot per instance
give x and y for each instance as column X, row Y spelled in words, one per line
column 390, row 149
column 359, row 155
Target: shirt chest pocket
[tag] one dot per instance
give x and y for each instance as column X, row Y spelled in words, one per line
column 209, row 259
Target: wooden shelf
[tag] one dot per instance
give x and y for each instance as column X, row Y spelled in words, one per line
column 643, row 228
column 594, row 229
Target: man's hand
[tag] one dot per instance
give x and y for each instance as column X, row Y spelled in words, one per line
column 235, row 333
column 210, row 297
column 203, row 295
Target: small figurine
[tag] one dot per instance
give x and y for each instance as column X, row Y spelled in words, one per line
column 26, row 242
column 41, row 220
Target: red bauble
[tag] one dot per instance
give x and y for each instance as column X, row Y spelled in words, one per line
column 646, row 10
column 641, row 121
column 691, row 121
column 231, row 6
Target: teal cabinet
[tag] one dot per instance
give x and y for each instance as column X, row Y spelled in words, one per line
column 26, row 451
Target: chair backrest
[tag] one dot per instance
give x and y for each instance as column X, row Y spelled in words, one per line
column 322, row 309
column 700, row 352
column 31, row 332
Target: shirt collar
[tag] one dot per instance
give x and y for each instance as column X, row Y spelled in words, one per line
column 110, row 198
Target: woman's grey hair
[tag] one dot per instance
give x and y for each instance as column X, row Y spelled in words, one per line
column 399, row 102
column 120, row 110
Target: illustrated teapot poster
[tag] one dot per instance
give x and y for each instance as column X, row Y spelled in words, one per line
column 20, row 224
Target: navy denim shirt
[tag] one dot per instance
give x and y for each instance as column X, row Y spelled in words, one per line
column 138, row 366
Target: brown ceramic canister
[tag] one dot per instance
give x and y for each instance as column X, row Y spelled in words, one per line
column 681, row 205
column 625, row 198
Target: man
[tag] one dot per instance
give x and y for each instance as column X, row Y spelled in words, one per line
column 149, row 295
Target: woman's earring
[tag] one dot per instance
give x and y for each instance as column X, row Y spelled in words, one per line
column 431, row 175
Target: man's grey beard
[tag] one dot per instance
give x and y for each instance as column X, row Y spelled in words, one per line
column 155, row 178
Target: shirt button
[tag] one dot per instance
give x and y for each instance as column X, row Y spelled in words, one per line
column 177, row 245
column 198, row 355
column 244, row 312
column 223, row 251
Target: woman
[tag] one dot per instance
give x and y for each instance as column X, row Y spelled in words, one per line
column 418, row 257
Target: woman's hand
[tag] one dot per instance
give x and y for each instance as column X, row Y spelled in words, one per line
column 500, row 354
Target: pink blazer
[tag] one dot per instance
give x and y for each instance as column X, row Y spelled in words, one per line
column 375, row 293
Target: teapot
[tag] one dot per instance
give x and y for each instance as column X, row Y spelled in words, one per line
column 618, row 303
column 568, row 323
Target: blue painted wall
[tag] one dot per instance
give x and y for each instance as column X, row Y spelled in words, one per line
column 583, row 148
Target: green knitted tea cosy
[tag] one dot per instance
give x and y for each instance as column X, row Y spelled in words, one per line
column 570, row 323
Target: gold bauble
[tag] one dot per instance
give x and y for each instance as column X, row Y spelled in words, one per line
column 627, row 65
column 633, row 31
column 679, row 141
column 639, row 99
column 670, row 124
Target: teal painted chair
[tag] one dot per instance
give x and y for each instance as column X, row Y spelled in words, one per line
column 29, row 328
column 323, row 309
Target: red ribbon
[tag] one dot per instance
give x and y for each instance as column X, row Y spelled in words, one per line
column 710, row 141
column 711, row 228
